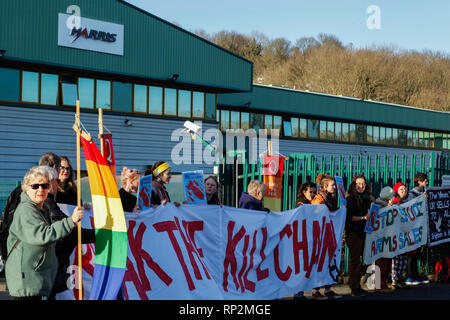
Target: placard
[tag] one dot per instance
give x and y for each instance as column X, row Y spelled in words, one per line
column 194, row 187
column 438, row 215
column 144, row 193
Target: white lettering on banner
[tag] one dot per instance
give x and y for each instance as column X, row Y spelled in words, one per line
column 208, row 252
column 397, row 230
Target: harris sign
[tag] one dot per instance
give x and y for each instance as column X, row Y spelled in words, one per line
column 90, row 34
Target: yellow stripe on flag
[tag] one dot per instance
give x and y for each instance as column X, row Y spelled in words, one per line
column 114, row 221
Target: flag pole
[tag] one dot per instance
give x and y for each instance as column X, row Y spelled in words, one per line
column 80, row 266
column 100, row 129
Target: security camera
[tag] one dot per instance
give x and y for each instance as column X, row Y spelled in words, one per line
column 192, row 127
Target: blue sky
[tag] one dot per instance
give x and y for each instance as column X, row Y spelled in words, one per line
column 411, row 25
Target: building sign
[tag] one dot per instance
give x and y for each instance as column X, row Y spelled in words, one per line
column 92, row 35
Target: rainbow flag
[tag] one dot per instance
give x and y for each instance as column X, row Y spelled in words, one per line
column 111, row 242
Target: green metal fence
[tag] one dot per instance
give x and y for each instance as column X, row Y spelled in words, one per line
column 380, row 171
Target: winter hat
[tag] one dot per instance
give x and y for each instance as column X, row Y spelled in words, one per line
column 397, row 186
column 387, row 193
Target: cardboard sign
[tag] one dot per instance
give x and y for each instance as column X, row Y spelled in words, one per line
column 194, row 187
column 273, row 179
column 438, row 215
column 341, row 190
column 144, row 193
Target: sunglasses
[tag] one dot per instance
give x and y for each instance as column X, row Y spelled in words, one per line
column 37, row 185
column 65, row 168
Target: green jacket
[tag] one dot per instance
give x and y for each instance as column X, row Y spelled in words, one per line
column 31, row 267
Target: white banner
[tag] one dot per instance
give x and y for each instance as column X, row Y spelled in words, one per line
column 397, row 230
column 197, row 252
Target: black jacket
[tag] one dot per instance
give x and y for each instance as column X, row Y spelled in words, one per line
column 7, row 216
column 357, row 205
column 128, row 200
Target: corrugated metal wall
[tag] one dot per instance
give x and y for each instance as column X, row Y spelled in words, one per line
column 27, row 133
column 152, row 48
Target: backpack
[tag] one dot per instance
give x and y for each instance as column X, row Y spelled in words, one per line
column 442, row 270
column 7, row 218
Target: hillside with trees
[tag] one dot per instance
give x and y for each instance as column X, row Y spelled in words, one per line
column 325, row 64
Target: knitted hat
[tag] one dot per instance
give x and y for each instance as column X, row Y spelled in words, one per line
column 387, row 193
column 397, row 186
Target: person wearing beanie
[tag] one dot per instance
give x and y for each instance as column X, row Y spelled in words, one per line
column 384, row 264
column 399, row 263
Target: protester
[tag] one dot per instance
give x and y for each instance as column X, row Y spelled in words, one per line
column 384, row 264
column 305, row 195
column 212, row 190
column 65, row 246
column 412, row 275
column 359, row 200
column 399, row 263
column 162, row 174
column 31, row 265
column 67, row 190
column 130, row 184
column 253, row 198
column 326, row 195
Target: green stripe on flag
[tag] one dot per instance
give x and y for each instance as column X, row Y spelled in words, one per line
column 111, row 248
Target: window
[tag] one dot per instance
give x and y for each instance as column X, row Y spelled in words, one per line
column 395, row 136
column 277, row 122
column 438, row 140
column 210, row 105
column 446, row 144
column 198, row 109
column 376, row 134
column 155, row 100
column 338, row 131
column 217, row 115
column 361, row 133
column 426, row 139
column 388, row 135
column 225, row 120
column 184, row 103
column 303, row 128
column 345, row 132
column 330, row 130
column 86, row 92
column 352, row 132
column 103, row 94
column 287, row 128
column 382, row 135
column 235, row 121
column 431, row 142
column 294, row 127
column 49, row 89
column 313, row 129
column 257, row 121
column 369, row 134
column 140, row 98
column 268, row 123
column 421, row 139
column 9, row 84
column 403, row 137
column 122, row 96
column 30, row 86
column 323, row 129
column 69, row 90
column 170, row 102
column 245, row 120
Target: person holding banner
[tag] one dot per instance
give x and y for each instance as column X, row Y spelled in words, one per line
column 212, row 190
column 32, row 264
column 130, row 184
column 305, row 195
column 399, row 263
column 359, row 199
column 326, row 195
column 253, row 198
column 162, row 174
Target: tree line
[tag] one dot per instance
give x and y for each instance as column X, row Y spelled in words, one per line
column 324, row 64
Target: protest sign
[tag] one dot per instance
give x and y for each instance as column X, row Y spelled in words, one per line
column 397, row 229
column 144, row 194
column 194, row 187
column 211, row 252
column 341, row 191
column 438, row 215
column 373, row 211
